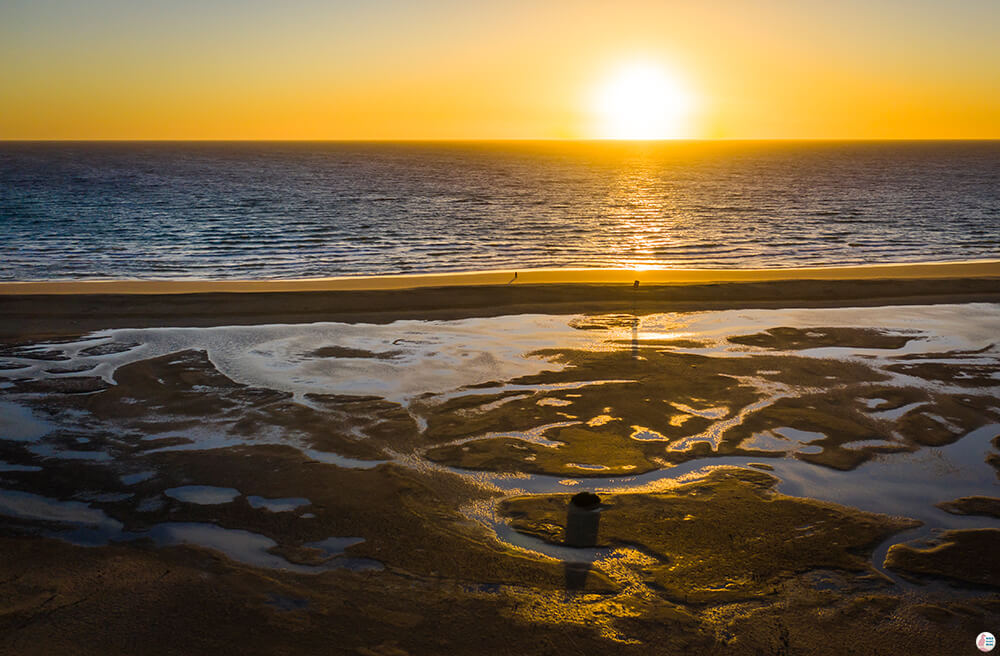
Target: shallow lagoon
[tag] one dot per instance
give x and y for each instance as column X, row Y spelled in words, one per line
column 299, row 448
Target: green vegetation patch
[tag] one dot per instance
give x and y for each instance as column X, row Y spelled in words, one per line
column 721, row 537
column 581, row 451
column 795, row 339
column 986, row 506
column 968, row 555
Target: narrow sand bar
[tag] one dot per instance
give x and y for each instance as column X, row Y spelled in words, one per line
column 75, row 307
column 966, row 269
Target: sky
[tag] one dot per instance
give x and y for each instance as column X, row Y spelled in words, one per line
column 461, row 69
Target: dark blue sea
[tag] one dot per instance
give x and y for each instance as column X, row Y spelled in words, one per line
column 292, row 210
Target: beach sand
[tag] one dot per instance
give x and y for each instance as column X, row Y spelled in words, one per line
column 211, row 472
column 74, row 307
column 666, row 276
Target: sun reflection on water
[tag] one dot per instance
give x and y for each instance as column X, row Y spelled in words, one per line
column 641, row 207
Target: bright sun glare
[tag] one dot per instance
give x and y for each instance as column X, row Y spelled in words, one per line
column 641, row 101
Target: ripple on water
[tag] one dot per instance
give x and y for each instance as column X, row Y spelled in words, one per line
column 204, row 495
column 19, row 424
column 901, row 484
column 277, row 505
column 27, row 505
column 88, row 526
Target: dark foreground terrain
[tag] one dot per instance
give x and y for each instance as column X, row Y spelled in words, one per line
column 772, row 481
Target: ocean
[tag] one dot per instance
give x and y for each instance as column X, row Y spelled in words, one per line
column 130, row 210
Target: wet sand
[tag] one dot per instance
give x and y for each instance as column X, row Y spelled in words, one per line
column 769, row 475
column 52, row 308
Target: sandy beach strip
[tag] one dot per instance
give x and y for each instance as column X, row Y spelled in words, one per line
column 567, row 276
column 54, row 308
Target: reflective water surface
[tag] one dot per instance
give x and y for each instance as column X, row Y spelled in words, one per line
column 210, row 434
column 146, row 210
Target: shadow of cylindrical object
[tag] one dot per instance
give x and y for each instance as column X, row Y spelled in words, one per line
column 582, row 520
column 576, row 575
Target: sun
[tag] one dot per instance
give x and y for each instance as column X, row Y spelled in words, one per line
column 640, row 100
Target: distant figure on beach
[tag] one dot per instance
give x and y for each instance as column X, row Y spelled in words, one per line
column 514, row 278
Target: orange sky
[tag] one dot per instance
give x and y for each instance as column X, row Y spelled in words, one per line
column 311, row 69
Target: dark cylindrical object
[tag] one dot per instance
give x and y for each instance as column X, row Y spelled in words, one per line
column 582, row 520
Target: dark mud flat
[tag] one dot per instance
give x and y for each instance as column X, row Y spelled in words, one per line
column 821, row 481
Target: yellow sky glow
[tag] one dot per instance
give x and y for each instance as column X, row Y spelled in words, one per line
column 306, row 69
column 640, row 100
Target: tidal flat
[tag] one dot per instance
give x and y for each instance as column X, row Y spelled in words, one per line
column 766, row 476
